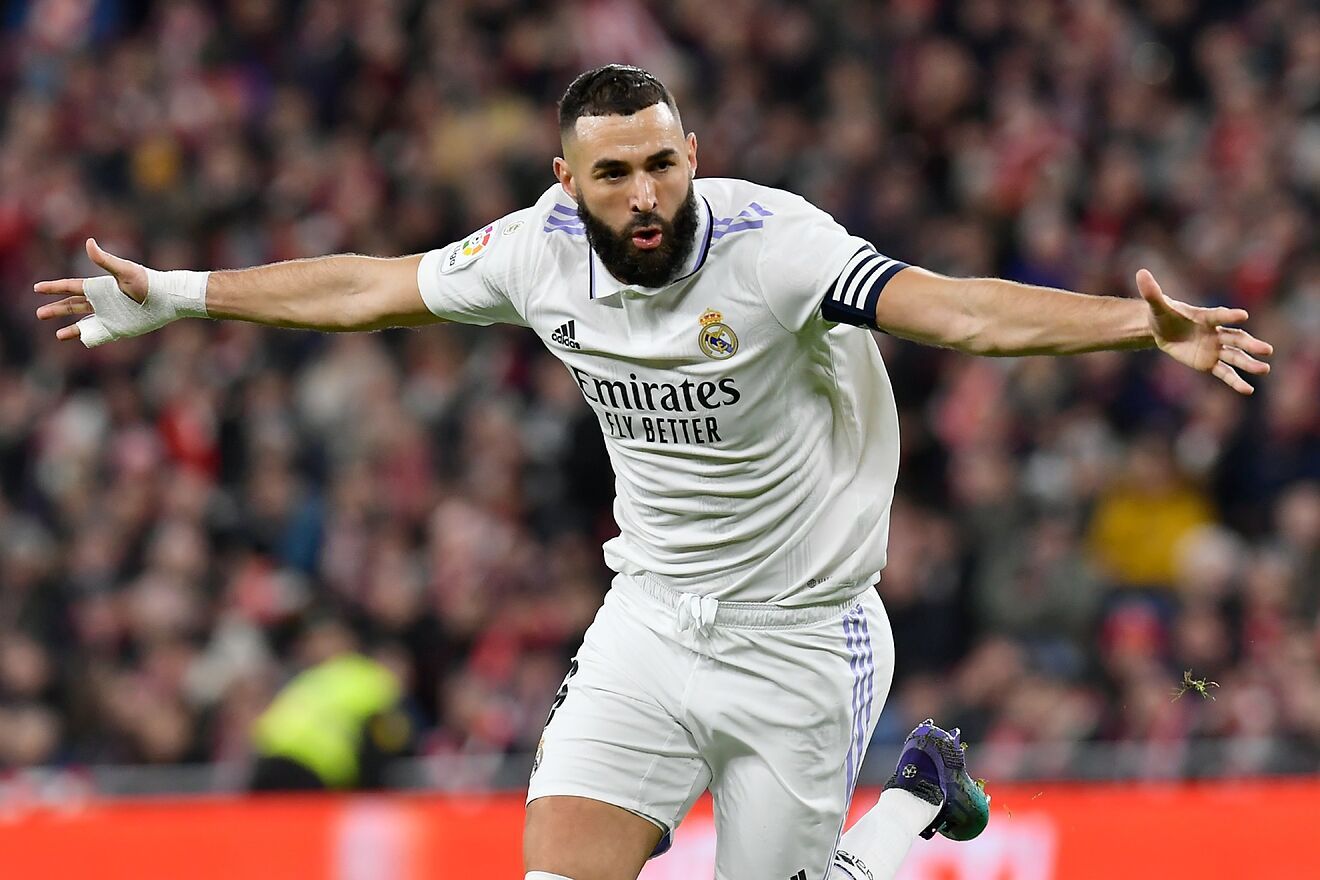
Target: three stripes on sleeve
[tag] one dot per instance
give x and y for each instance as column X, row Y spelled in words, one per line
column 852, row 297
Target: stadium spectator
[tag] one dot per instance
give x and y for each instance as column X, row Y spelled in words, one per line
column 335, row 724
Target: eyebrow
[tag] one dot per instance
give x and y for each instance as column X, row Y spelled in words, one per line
column 602, row 164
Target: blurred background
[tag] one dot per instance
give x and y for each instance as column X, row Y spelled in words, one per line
column 185, row 516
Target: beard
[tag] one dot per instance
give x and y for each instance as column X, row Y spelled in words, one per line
column 644, row 268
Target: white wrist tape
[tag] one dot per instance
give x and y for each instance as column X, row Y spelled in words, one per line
column 170, row 296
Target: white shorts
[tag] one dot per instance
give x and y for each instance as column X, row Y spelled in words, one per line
column 770, row 708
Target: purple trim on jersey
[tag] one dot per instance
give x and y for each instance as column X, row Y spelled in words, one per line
column 563, row 219
column 748, row 218
column 570, row 224
column 740, row 226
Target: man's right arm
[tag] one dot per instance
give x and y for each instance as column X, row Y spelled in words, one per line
column 334, row 294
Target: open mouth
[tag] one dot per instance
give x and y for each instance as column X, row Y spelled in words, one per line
column 647, row 237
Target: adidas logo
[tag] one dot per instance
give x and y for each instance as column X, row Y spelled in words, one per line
column 566, row 335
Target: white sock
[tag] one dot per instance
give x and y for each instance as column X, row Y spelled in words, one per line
column 542, row 875
column 881, row 838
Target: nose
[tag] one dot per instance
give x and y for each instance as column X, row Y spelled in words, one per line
column 643, row 198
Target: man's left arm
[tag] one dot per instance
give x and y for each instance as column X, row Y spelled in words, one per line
column 993, row 317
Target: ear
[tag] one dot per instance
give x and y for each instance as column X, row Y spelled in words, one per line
column 565, row 177
column 692, row 152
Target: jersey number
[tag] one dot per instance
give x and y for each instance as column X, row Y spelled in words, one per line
column 563, row 692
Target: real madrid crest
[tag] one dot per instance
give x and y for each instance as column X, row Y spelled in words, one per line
column 716, row 338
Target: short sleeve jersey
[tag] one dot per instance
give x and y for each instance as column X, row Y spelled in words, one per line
column 750, row 422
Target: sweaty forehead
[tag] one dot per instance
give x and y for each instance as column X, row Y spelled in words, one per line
column 628, row 138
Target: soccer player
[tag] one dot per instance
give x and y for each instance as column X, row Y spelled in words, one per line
column 719, row 331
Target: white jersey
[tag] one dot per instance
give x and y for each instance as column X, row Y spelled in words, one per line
column 754, row 441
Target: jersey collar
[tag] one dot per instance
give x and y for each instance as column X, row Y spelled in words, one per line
column 602, row 284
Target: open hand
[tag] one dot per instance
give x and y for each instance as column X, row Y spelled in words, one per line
column 1198, row 338
column 131, row 278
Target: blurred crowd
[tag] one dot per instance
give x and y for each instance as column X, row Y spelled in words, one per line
column 178, row 512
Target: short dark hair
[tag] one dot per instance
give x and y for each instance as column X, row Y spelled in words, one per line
column 612, row 90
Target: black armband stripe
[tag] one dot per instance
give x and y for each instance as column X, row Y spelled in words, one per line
column 873, row 297
column 853, row 296
column 856, row 263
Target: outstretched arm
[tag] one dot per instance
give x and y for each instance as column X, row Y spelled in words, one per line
column 989, row 316
column 337, row 293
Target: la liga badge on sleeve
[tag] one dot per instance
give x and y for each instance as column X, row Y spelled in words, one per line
column 468, row 250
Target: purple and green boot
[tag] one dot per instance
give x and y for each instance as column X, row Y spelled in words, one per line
column 934, row 768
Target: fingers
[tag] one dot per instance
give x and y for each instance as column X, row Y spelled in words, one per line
column 1221, row 315
column 116, row 266
column 130, row 278
column 70, row 307
column 64, row 285
column 1238, row 358
column 1229, row 377
column 1150, row 291
column 1236, row 338
column 129, row 275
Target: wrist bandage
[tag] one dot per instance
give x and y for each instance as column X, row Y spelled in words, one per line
column 170, row 296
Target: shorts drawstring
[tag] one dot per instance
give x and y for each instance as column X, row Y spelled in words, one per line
column 697, row 612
